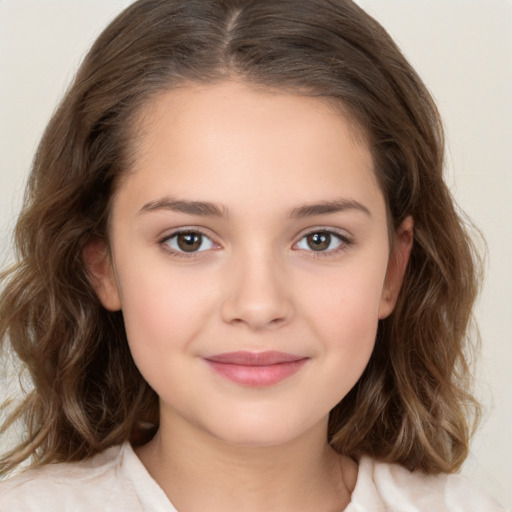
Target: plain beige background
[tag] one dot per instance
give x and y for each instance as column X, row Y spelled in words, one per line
column 463, row 51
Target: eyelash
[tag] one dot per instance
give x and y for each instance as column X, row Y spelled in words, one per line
column 182, row 254
column 345, row 243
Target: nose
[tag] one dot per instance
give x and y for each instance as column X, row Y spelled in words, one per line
column 258, row 294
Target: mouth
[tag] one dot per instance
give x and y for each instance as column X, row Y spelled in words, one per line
column 256, row 369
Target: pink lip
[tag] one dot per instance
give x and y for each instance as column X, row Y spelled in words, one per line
column 256, row 369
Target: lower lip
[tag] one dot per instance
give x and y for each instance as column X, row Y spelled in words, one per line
column 257, row 376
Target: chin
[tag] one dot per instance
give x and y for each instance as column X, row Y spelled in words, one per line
column 253, row 432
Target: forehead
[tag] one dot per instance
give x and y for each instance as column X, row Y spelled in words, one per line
column 192, row 105
column 233, row 140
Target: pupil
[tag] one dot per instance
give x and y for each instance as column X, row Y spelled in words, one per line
column 319, row 241
column 189, row 242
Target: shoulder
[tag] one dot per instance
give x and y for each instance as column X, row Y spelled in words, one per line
column 85, row 485
column 382, row 486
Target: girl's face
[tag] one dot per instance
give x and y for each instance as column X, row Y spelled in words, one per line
column 251, row 260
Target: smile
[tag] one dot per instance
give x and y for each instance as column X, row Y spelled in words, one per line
column 256, row 369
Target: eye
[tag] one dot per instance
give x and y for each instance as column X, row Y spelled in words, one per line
column 322, row 241
column 188, row 242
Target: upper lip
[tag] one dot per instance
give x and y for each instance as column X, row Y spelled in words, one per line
column 254, row 358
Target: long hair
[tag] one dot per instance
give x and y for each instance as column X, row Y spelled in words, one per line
column 411, row 405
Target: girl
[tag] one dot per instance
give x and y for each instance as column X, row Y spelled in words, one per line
column 242, row 283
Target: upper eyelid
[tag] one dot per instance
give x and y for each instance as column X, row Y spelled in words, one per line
column 342, row 233
column 186, row 229
column 205, row 231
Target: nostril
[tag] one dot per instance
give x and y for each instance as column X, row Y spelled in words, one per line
column 258, row 301
column 255, row 318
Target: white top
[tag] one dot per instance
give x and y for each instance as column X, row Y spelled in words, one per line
column 117, row 481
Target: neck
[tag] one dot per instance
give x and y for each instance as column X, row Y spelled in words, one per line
column 200, row 472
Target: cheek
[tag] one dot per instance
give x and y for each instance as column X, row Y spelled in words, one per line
column 343, row 314
column 346, row 305
column 163, row 311
column 343, row 321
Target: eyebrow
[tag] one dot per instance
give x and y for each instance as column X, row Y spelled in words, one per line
column 201, row 208
column 328, row 208
column 208, row 209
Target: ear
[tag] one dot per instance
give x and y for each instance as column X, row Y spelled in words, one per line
column 397, row 265
column 101, row 275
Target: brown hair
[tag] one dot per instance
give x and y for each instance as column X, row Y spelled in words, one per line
column 411, row 404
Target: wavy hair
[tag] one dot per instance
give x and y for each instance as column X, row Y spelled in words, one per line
column 412, row 404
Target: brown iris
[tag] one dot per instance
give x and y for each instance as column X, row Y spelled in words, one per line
column 319, row 241
column 189, row 242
